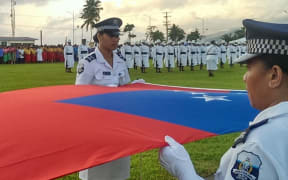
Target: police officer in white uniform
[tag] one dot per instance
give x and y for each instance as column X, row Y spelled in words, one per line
column 159, row 54
column 144, row 56
column 82, row 50
column 183, row 50
column 212, row 58
column 232, row 53
column 136, row 51
column 260, row 153
column 69, row 57
column 169, row 56
column 223, row 57
column 203, row 49
column 105, row 67
column 127, row 49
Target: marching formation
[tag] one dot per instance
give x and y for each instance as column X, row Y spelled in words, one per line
column 164, row 55
column 171, row 55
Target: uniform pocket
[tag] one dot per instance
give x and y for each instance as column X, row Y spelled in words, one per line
column 99, row 75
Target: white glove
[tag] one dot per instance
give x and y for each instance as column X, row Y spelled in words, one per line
column 176, row 160
column 138, row 81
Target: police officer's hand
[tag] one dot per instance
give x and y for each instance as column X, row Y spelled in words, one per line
column 138, row 81
column 176, row 160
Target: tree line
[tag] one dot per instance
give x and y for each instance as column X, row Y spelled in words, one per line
column 91, row 15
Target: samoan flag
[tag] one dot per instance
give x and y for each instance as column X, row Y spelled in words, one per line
column 49, row 132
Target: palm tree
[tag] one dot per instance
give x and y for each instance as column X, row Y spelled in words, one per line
column 128, row 28
column 91, row 14
column 176, row 33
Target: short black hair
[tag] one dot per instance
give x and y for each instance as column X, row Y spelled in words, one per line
column 271, row 59
column 96, row 40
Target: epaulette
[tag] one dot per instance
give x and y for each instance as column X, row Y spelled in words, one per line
column 91, row 57
column 120, row 55
column 243, row 136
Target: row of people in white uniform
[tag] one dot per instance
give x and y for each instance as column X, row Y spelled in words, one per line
column 195, row 54
column 69, row 54
column 137, row 55
column 185, row 54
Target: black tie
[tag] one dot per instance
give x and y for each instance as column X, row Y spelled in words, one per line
column 242, row 138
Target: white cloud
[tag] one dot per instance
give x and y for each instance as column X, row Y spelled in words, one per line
column 54, row 17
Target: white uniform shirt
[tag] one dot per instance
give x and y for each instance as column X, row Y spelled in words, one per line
column 159, row 54
column 21, row 53
column 69, row 56
column 39, row 54
column 82, row 51
column 243, row 50
column 169, row 56
column 264, row 155
column 136, row 51
column 183, row 50
column 223, row 52
column 128, row 56
column 193, row 53
column 145, row 55
column 232, row 53
column 94, row 69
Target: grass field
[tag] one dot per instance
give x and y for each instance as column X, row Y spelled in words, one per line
column 205, row 154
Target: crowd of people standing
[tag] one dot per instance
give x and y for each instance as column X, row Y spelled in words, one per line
column 35, row 54
column 31, row 54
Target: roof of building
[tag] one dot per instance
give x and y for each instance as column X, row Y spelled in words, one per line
column 17, row 39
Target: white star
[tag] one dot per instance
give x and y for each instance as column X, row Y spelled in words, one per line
column 212, row 98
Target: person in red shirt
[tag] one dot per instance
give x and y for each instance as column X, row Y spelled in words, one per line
column 27, row 53
column 44, row 53
column 33, row 54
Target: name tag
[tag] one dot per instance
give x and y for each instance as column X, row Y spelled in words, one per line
column 108, row 73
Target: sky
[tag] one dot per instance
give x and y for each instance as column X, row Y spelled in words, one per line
column 55, row 17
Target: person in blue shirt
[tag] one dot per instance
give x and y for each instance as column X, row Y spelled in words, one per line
column 1, row 54
column 75, row 48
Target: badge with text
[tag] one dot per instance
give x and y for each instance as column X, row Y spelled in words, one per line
column 246, row 166
column 107, row 73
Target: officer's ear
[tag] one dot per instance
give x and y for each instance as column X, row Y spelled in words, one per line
column 275, row 76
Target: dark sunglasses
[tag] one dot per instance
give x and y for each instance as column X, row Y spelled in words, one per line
column 112, row 35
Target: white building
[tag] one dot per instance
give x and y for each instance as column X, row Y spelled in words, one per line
column 15, row 41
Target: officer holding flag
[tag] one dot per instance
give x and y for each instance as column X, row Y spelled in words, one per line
column 105, row 66
column 260, row 153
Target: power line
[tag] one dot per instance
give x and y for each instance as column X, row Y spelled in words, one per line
column 167, row 24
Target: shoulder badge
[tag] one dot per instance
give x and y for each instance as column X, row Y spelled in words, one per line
column 91, row 57
column 246, row 167
column 80, row 68
column 120, row 55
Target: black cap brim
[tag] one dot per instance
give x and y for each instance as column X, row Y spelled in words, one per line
column 245, row 58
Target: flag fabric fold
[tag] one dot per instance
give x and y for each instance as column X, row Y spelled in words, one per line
column 49, row 132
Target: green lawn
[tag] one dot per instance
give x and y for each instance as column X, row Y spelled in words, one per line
column 205, row 153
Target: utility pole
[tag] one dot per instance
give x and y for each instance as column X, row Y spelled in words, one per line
column 167, row 24
column 12, row 15
column 41, row 40
column 73, row 28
